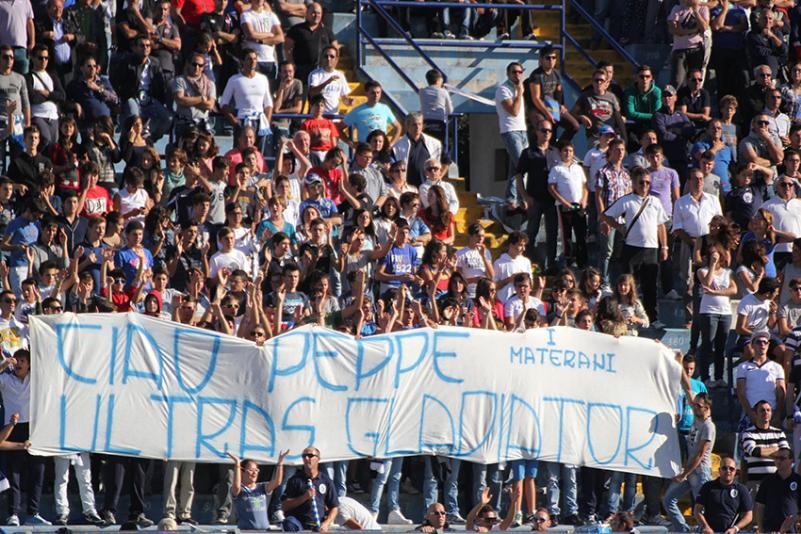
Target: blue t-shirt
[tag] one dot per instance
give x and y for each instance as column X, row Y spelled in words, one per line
column 686, row 406
column 22, row 232
column 325, row 206
column 368, row 118
column 400, row 260
column 723, row 159
column 267, row 224
column 127, row 260
column 251, row 507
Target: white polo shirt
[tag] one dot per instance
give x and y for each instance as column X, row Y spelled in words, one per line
column 760, row 381
column 693, row 216
column 645, row 233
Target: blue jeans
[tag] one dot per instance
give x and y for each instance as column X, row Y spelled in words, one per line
column 674, row 492
column 451, row 489
column 462, row 16
column 515, row 142
column 338, row 473
column 21, row 61
column 154, row 116
column 714, row 333
column 567, row 473
column 629, row 492
column 392, row 474
column 494, row 480
column 606, row 246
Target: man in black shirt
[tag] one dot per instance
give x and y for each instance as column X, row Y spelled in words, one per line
column 534, row 163
column 724, row 505
column 779, row 497
column 304, row 41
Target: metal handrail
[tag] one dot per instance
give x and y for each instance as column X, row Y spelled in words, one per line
column 597, row 26
column 438, row 5
column 398, row 28
column 473, row 44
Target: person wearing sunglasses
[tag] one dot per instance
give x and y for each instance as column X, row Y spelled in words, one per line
column 540, row 520
column 46, row 94
column 786, row 210
column 778, row 501
column 436, row 520
column 310, row 499
column 484, row 518
column 724, row 505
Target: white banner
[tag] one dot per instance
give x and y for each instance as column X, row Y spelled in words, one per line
column 133, row 385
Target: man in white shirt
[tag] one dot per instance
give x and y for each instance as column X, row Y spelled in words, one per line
column 246, row 99
column 692, row 214
column 567, row 184
column 760, row 378
column 352, row 515
column 262, row 31
column 786, row 210
column 227, row 257
column 510, row 106
column 644, row 234
column 522, row 301
column 433, row 175
column 329, row 82
column 511, row 263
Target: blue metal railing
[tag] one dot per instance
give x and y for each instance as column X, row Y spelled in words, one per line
column 598, row 27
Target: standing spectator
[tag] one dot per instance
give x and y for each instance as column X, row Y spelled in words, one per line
column 248, row 94
column 535, row 163
column 729, row 23
column 764, row 43
column 694, row 101
column 306, row 41
column 17, row 31
column 45, row 94
column 13, row 89
column 416, row 148
column 696, row 470
column 510, row 107
column 435, row 105
column 567, row 183
column 288, row 97
column 717, row 286
column 195, row 96
column 16, row 390
column 85, row 21
column 261, row 32
column 760, row 380
column 142, row 88
column 674, row 130
column 646, row 241
column 687, row 23
column 760, row 442
column 329, row 82
column 372, row 115
column 50, row 32
column 724, row 505
column 612, row 182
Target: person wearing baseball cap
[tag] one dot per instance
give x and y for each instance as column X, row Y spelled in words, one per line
column 759, row 378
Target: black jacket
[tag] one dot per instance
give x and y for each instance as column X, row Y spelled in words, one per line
column 126, row 72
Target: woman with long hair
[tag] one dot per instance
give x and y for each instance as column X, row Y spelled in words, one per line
column 382, row 150
column 718, row 286
column 625, row 292
column 435, row 269
column 132, row 140
column 760, row 228
column 398, row 184
column 438, row 217
column 487, row 307
column 387, row 215
column 364, row 220
column 590, row 286
column 66, row 155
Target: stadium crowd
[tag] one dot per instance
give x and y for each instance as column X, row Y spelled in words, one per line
column 688, row 192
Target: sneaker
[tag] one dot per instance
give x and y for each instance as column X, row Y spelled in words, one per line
column 13, row 520
column 518, row 520
column 396, row 517
column 503, row 36
column 61, row 521
column 449, row 35
column 93, row 519
column 223, row 520
column 142, row 521
column 36, row 519
column 658, row 325
column 375, row 516
column 456, row 519
column 673, row 295
column 109, row 519
column 437, row 35
column 278, row 517
column 187, row 521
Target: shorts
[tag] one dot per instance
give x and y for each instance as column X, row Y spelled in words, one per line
column 522, row 469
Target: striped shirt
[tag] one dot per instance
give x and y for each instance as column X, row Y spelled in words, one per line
column 754, row 439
